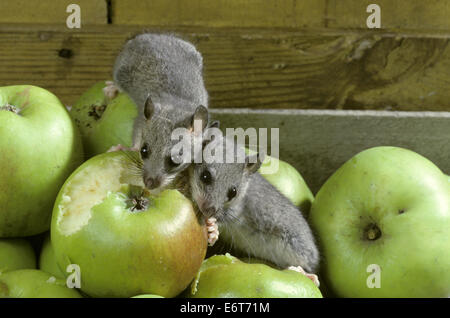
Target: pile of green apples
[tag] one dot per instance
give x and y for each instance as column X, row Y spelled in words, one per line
column 77, row 221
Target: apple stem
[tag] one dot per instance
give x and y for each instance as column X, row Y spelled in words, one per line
column 10, row 108
column 137, row 201
column 140, row 204
column 373, row 232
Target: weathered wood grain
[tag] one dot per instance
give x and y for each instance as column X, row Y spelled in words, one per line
column 50, row 11
column 398, row 14
column 318, row 142
column 250, row 68
column 219, row 13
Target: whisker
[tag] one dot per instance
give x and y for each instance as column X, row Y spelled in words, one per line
column 133, row 158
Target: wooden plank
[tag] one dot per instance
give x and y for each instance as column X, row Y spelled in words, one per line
column 317, row 142
column 398, row 14
column 50, row 11
column 219, row 13
column 250, row 68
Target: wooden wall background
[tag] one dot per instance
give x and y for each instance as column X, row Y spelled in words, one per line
column 258, row 53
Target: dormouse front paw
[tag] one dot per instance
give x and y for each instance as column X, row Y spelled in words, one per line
column 312, row 277
column 110, row 90
column 118, row 147
column 213, row 231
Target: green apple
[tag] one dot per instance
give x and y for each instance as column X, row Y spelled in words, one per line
column 147, row 296
column 225, row 276
column 289, row 182
column 39, row 148
column 16, row 254
column 383, row 223
column 47, row 260
column 286, row 179
column 104, row 123
column 448, row 183
column 33, row 283
column 126, row 241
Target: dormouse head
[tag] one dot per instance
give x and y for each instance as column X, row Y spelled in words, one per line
column 162, row 156
column 216, row 186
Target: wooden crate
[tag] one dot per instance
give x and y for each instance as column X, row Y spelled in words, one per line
column 317, row 142
column 271, row 54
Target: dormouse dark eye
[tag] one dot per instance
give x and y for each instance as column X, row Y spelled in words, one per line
column 145, row 151
column 206, row 177
column 231, row 193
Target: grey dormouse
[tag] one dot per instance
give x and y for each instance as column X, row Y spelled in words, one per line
column 252, row 214
column 163, row 76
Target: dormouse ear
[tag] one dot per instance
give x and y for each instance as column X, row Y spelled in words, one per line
column 149, row 108
column 214, row 124
column 253, row 162
column 200, row 114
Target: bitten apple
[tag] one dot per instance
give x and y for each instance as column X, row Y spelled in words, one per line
column 225, row 276
column 125, row 241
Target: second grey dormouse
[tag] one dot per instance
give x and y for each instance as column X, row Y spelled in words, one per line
column 251, row 213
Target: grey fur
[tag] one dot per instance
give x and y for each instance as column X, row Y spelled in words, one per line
column 163, row 66
column 259, row 220
column 168, row 70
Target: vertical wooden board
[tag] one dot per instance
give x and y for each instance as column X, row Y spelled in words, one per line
column 50, row 11
column 398, row 14
column 220, row 13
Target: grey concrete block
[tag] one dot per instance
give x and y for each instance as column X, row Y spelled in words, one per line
column 317, row 142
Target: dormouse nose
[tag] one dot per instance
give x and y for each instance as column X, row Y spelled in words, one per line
column 152, row 183
column 209, row 211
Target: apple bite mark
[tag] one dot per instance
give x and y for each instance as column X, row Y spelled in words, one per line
column 87, row 189
column 312, row 277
